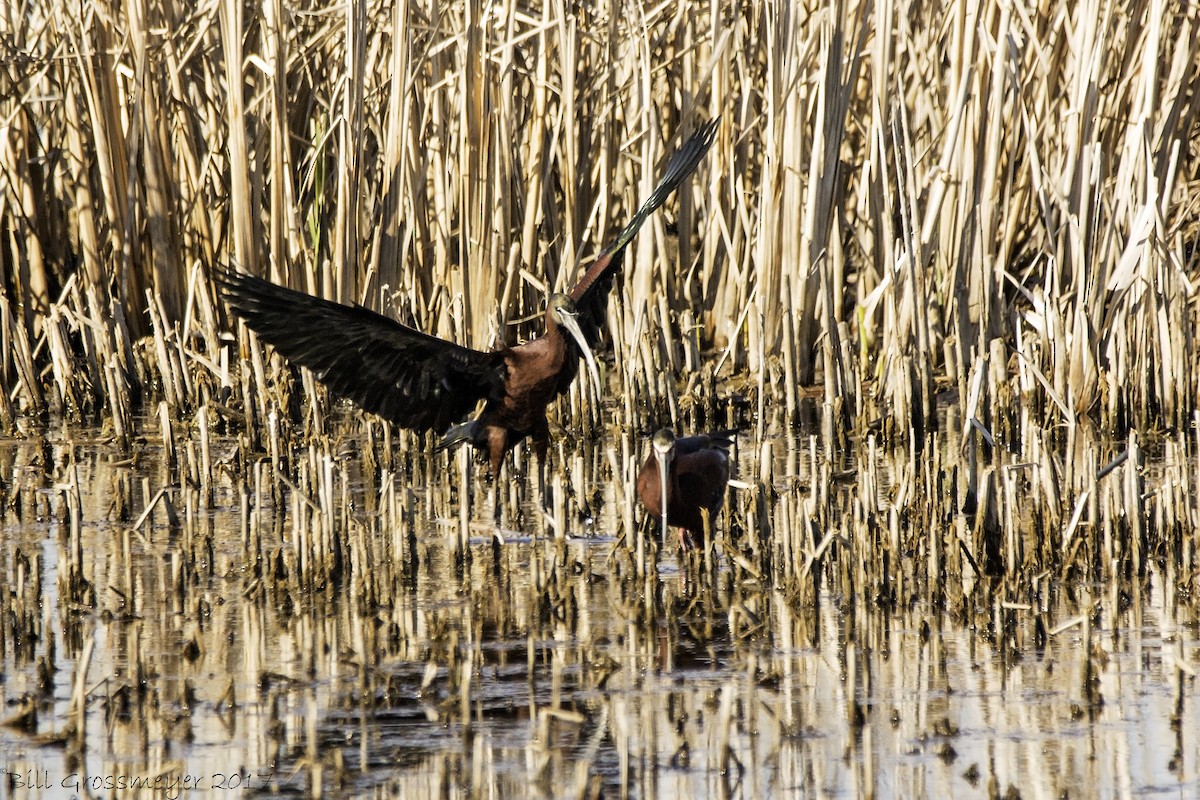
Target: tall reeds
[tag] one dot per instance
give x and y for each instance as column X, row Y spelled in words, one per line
column 896, row 192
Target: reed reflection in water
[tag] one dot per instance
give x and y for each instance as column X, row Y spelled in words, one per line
column 331, row 627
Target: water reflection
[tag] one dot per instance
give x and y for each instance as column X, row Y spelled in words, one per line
column 223, row 659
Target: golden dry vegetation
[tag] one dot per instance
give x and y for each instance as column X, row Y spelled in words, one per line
column 940, row 264
column 902, row 198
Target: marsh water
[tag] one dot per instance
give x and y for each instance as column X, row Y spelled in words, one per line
column 177, row 653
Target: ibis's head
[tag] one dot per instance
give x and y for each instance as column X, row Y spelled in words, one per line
column 562, row 312
column 663, row 444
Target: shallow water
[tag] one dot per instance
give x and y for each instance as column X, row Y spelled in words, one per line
column 543, row 668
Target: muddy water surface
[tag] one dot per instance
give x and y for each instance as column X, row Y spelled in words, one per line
column 198, row 657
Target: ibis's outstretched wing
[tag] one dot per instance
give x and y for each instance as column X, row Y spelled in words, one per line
column 415, row 380
column 591, row 293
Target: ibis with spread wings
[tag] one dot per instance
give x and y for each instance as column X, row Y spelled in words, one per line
column 424, row 383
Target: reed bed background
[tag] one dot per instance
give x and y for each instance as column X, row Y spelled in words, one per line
column 996, row 198
column 941, row 259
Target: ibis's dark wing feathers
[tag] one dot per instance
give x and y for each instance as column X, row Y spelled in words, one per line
column 716, row 440
column 591, row 293
column 702, row 470
column 702, row 486
column 415, row 380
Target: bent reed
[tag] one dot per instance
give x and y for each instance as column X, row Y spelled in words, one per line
column 993, row 208
column 940, row 264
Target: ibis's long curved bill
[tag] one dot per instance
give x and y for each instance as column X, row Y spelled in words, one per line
column 572, row 326
column 664, row 480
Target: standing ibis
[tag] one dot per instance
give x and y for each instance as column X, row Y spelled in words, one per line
column 683, row 480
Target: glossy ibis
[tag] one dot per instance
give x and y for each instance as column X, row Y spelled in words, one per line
column 695, row 472
column 423, row 383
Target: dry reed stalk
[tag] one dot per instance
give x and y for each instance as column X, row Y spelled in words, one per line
column 242, row 218
column 62, row 363
column 18, row 354
column 206, row 462
column 837, row 137
column 8, row 416
column 118, row 398
column 463, row 457
column 1011, row 180
column 168, row 369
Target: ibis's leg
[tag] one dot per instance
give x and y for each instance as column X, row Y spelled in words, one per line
column 497, row 446
column 465, row 457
